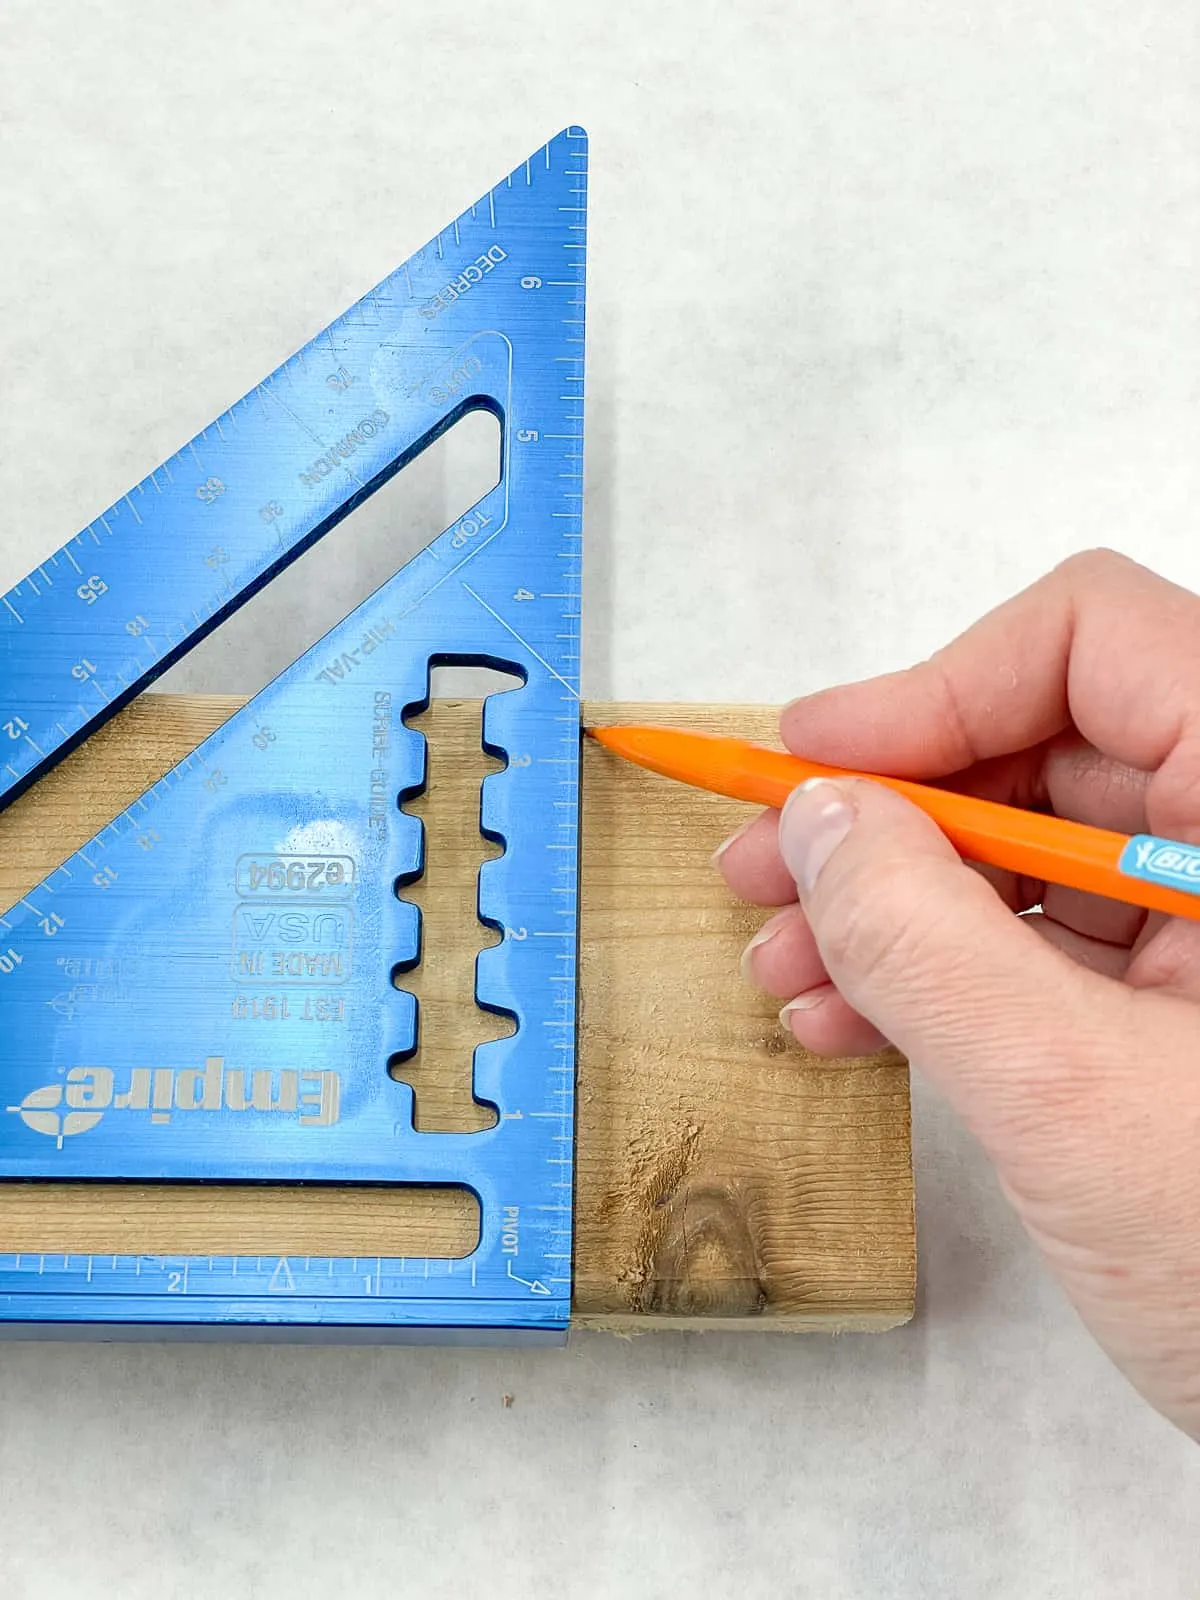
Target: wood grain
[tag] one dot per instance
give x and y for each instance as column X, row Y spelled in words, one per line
column 725, row 1178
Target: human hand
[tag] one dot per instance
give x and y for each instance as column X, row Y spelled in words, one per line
column 1067, row 1038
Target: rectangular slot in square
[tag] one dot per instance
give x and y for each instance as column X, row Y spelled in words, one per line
column 92, row 1219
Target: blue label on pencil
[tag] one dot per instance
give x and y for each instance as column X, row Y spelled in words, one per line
column 1162, row 861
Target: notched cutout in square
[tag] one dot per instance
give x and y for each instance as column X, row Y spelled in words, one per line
column 451, row 1023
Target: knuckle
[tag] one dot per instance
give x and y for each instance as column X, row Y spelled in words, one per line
column 953, row 713
column 1169, row 960
column 1083, row 568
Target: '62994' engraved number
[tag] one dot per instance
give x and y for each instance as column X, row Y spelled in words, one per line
column 318, row 877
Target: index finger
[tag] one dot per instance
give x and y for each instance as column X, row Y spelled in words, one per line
column 1099, row 643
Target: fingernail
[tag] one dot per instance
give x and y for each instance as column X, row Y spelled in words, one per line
column 808, row 1001
column 815, row 820
column 761, row 938
column 732, row 840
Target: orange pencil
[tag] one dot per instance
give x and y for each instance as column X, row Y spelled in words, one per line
column 1139, row 869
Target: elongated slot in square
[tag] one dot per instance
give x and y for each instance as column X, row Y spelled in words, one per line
column 433, row 489
column 237, row 1220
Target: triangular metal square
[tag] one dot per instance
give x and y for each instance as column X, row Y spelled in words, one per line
column 267, row 862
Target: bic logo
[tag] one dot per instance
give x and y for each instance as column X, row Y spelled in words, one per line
column 1162, row 860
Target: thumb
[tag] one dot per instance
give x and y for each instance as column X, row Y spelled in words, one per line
column 1081, row 1090
column 922, row 946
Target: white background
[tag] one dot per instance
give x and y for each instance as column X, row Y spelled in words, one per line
column 891, row 306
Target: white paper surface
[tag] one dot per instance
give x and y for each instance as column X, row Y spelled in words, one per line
column 892, row 305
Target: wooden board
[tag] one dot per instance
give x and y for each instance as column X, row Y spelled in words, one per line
column 725, row 1178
